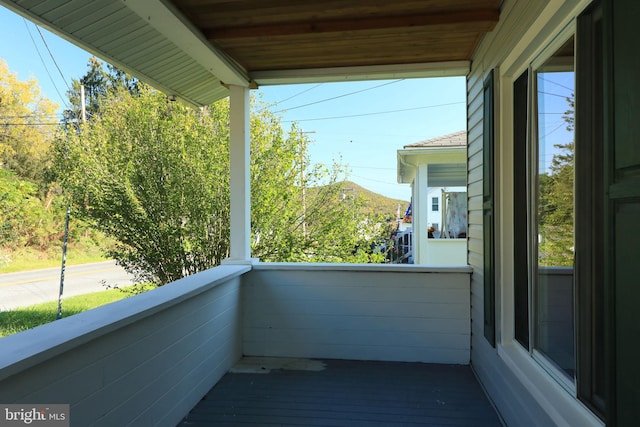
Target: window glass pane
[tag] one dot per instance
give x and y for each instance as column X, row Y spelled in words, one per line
column 554, row 292
column 520, row 206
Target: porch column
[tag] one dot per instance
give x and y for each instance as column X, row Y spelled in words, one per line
column 239, row 184
column 420, row 206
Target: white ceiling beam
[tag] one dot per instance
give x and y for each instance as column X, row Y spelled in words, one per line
column 170, row 22
column 370, row 72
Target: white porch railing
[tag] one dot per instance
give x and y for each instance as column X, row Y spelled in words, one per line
column 148, row 359
column 142, row 361
column 362, row 312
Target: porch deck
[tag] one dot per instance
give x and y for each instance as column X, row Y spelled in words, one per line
column 280, row 391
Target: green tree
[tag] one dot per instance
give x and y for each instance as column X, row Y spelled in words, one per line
column 153, row 174
column 27, row 126
column 25, row 219
column 298, row 212
column 556, row 203
column 98, row 82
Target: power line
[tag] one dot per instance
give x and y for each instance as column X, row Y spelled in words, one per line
column 52, row 58
column 556, row 94
column 371, row 167
column 339, row 96
column 555, row 129
column 375, row 180
column 299, row 93
column 29, row 124
column 46, row 45
column 375, row 113
column 30, row 116
column 42, row 59
column 557, row 84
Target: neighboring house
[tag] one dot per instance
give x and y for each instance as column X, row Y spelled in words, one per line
column 553, row 341
column 437, row 171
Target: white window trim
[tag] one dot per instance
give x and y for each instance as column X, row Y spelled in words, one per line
column 532, row 167
column 557, row 397
column 562, row 407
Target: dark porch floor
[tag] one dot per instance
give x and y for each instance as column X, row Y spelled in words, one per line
column 288, row 392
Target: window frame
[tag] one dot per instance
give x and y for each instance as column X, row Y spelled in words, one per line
column 581, row 386
column 570, row 31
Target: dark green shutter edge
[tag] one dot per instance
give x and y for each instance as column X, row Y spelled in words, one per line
column 623, row 238
column 488, row 211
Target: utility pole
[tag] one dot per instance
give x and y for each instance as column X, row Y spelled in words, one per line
column 66, row 221
column 83, row 106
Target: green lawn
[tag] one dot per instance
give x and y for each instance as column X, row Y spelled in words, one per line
column 21, row 319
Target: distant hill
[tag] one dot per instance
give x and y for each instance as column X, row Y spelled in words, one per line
column 376, row 203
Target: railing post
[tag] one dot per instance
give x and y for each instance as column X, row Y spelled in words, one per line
column 239, row 156
column 419, row 219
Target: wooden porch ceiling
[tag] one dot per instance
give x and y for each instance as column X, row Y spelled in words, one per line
column 194, row 48
column 291, row 34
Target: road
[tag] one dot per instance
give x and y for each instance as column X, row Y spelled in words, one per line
column 33, row 287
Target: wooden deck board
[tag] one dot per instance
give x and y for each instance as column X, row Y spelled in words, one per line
column 348, row 393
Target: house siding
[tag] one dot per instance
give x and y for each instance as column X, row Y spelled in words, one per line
column 523, row 390
column 513, row 398
column 381, row 314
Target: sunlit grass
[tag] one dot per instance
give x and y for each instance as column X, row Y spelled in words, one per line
column 30, row 259
column 21, row 319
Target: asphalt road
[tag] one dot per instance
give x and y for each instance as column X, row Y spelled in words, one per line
column 32, row 287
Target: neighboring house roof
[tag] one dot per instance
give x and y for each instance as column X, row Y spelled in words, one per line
column 456, row 139
column 446, row 156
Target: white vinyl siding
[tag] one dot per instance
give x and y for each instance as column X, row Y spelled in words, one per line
column 324, row 311
column 514, row 401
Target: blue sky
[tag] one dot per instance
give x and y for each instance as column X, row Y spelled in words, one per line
column 364, row 125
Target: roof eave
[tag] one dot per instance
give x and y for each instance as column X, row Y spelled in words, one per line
column 170, row 23
column 371, row 72
column 409, row 159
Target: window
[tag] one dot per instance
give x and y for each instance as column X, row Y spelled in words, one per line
column 544, row 103
column 553, row 205
column 434, row 204
column 558, row 204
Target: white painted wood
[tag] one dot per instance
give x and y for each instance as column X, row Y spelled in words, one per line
column 420, row 210
column 145, row 360
column 102, row 26
column 446, row 251
column 169, row 21
column 371, row 72
column 239, row 153
column 378, row 268
column 354, row 314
